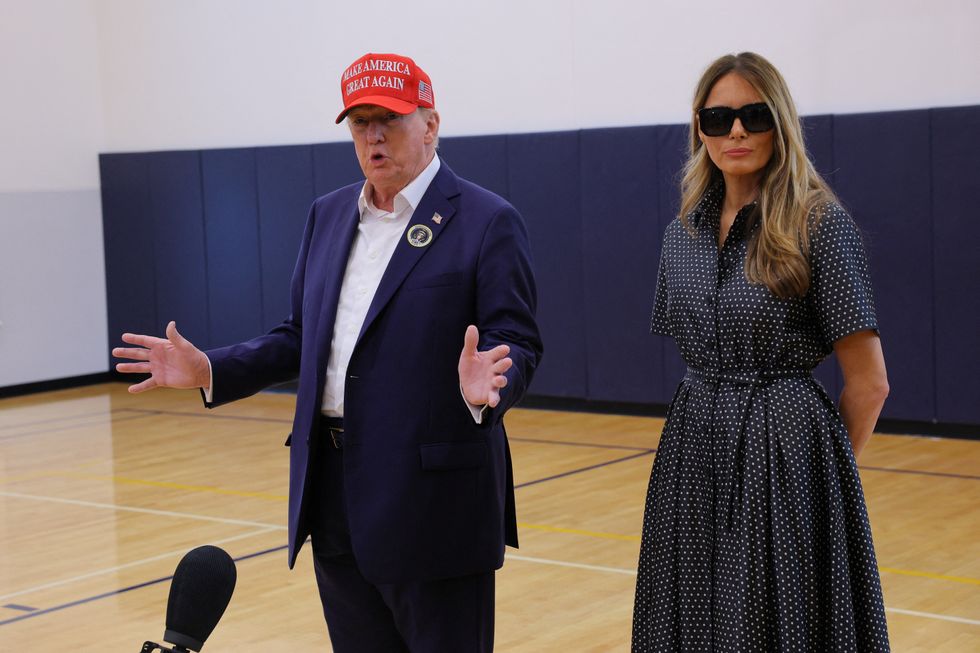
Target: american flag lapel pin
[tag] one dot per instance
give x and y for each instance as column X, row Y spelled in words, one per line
column 437, row 218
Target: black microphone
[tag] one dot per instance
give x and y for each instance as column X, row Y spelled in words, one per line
column 199, row 593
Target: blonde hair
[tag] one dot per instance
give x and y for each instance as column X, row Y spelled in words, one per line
column 790, row 188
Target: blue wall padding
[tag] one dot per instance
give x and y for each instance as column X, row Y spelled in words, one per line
column 177, row 243
column 334, row 166
column 818, row 134
column 672, row 148
column 544, row 182
column 285, row 185
column 621, row 248
column 226, row 225
column 883, row 177
column 956, row 232
column 231, row 220
column 481, row 159
column 127, row 225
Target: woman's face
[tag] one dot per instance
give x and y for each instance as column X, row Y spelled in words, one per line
column 739, row 153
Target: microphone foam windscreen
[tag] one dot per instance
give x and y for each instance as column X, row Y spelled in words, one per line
column 200, row 591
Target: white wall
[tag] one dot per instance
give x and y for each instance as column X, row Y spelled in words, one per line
column 83, row 76
column 52, row 277
column 204, row 73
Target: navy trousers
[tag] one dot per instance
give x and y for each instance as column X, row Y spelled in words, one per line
column 439, row 616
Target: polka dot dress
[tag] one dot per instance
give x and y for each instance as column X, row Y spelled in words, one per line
column 756, row 535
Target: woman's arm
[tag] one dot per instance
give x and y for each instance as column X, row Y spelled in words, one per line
column 865, row 384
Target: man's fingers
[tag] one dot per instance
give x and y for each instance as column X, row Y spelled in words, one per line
column 134, row 353
column 493, row 399
column 149, row 384
column 470, row 340
column 133, row 368
column 497, row 352
column 139, row 339
column 502, row 365
column 499, row 381
column 173, row 335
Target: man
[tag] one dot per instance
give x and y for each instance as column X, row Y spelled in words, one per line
column 399, row 466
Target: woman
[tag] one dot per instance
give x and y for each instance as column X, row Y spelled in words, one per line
column 756, row 535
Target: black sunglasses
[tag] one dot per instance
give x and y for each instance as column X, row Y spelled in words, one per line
column 718, row 121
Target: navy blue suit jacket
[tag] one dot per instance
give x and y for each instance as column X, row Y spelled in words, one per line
column 430, row 493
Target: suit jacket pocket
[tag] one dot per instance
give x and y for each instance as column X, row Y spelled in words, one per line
column 453, row 455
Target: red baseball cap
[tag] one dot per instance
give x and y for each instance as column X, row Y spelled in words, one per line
column 387, row 80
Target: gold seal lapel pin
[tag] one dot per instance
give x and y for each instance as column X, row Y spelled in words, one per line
column 419, row 235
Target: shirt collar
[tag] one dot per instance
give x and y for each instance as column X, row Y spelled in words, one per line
column 709, row 208
column 407, row 198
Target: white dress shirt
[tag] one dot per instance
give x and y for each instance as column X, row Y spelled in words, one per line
column 374, row 244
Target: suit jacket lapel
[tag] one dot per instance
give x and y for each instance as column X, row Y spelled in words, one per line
column 339, row 240
column 436, row 200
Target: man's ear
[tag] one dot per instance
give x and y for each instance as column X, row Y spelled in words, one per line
column 431, row 126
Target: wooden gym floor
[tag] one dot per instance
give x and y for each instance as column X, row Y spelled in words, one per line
column 101, row 493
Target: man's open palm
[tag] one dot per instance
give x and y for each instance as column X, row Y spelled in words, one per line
column 171, row 362
column 481, row 373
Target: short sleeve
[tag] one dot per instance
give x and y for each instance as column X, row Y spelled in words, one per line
column 840, row 280
column 658, row 322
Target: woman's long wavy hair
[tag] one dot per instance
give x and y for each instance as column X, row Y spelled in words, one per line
column 790, row 188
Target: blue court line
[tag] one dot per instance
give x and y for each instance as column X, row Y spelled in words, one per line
column 100, row 413
column 65, row 606
column 580, row 470
column 16, row 606
column 111, row 420
column 646, row 452
column 285, row 421
column 912, row 471
column 579, row 444
column 209, row 415
column 104, row 595
column 554, row 442
column 147, row 412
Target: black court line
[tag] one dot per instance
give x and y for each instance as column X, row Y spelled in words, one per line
column 104, row 595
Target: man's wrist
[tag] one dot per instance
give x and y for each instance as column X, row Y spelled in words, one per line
column 207, row 385
column 476, row 411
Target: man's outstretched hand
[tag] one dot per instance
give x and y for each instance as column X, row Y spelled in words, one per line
column 481, row 373
column 171, row 362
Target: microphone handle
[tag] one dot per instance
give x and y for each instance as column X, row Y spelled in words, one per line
column 149, row 647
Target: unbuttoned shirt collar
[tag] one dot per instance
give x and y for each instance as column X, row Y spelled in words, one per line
column 407, row 198
column 708, row 210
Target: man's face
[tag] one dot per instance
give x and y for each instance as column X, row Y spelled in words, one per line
column 392, row 148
